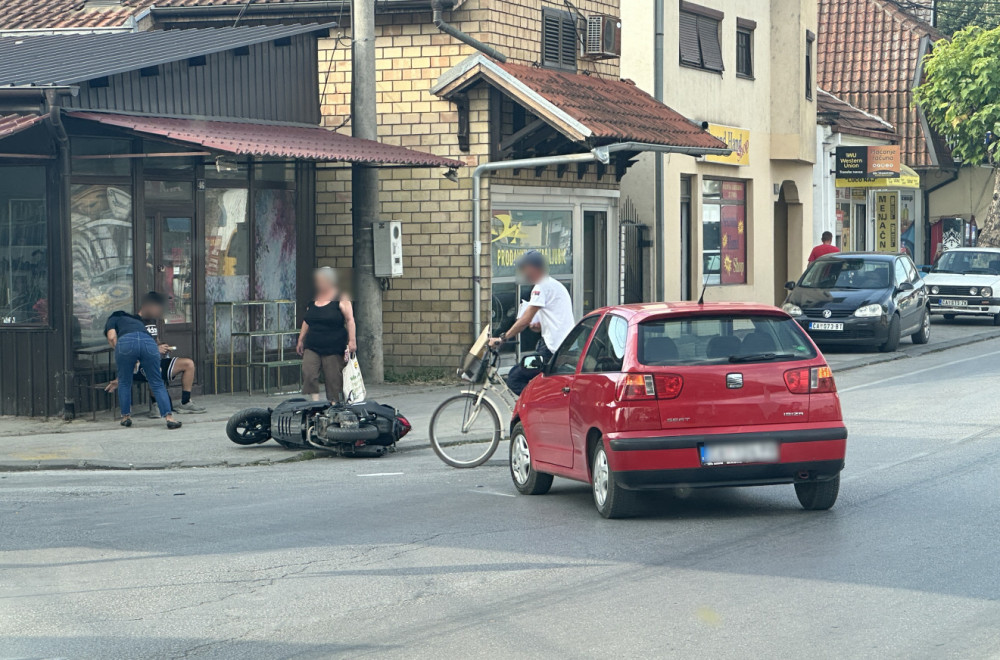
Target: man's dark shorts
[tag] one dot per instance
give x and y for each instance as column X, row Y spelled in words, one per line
column 519, row 377
column 166, row 370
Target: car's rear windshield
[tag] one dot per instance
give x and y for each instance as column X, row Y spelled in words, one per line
column 846, row 274
column 705, row 340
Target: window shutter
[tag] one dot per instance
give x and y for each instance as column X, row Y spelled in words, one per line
column 551, row 32
column 711, row 49
column 690, row 52
column 570, row 39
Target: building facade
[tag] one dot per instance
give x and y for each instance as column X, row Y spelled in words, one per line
column 742, row 224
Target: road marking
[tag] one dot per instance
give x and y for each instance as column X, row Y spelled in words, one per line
column 490, row 492
column 918, row 371
column 381, row 474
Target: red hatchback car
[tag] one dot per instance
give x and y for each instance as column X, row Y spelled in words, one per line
column 642, row 397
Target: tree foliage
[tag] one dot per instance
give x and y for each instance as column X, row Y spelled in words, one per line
column 955, row 15
column 960, row 95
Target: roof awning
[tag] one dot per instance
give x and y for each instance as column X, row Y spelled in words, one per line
column 270, row 140
column 586, row 109
column 15, row 123
column 908, row 178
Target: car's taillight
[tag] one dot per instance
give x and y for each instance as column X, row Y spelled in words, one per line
column 646, row 386
column 807, row 380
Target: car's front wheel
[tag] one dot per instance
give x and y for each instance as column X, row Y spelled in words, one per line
column 923, row 335
column 611, row 499
column 526, row 479
column 818, row 495
column 892, row 339
column 996, row 319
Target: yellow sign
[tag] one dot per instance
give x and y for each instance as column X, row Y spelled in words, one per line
column 887, row 222
column 907, row 178
column 737, row 139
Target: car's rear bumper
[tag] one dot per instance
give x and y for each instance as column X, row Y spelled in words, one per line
column 807, row 454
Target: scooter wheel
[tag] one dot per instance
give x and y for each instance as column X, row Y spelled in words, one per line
column 250, row 426
column 337, row 435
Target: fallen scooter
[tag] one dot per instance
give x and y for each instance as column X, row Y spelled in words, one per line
column 338, row 427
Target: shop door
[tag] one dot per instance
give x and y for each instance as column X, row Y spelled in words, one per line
column 169, row 270
column 595, row 260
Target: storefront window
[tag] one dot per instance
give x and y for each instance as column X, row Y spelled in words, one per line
column 724, row 247
column 274, row 248
column 82, row 148
column 101, row 217
column 514, row 233
column 23, row 246
column 169, row 191
column 227, row 252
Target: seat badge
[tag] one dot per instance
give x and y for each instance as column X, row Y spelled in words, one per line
column 734, row 381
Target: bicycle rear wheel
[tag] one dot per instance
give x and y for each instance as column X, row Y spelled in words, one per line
column 465, row 431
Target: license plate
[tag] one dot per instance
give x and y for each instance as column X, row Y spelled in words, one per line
column 737, row 454
column 953, row 303
column 816, row 325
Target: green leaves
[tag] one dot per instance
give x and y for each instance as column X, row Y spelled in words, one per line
column 960, row 95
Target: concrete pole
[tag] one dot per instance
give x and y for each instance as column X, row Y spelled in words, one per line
column 364, row 194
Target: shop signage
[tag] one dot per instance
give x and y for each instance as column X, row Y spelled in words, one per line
column 887, row 221
column 868, row 162
column 737, row 139
column 516, row 232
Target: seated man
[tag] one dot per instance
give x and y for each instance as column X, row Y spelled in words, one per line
column 550, row 307
column 151, row 312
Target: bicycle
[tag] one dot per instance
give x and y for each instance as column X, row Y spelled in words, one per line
column 465, row 429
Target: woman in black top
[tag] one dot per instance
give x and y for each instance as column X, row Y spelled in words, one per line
column 327, row 337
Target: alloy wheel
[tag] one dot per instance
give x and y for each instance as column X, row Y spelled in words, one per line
column 926, row 328
column 601, row 478
column 520, row 459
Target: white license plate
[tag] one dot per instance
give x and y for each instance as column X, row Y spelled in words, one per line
column 739, row 453
column 953, row 303
column 816, row 325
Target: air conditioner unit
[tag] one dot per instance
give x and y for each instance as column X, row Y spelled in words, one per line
column 604, row 37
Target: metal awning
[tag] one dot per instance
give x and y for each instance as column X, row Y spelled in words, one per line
column 292, row 141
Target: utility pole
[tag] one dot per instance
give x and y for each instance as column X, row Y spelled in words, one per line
column 364, row 193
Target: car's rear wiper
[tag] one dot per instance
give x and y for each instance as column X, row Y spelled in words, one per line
column 760, row 357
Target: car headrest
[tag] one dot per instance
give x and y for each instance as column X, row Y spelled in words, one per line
column 758, row 342
column 723, row 346
column 659, row 349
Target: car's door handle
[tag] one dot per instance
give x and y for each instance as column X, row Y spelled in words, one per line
column 566, row 390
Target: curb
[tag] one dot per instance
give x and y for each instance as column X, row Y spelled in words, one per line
column 30, row 465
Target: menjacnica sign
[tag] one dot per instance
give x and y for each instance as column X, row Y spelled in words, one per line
column 863, row 162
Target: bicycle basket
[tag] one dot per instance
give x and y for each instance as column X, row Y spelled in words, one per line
column 473, row 368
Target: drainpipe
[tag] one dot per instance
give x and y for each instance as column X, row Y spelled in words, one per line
column 658, row 223
column 599, row 154
column 66, row 253
column 438, row 7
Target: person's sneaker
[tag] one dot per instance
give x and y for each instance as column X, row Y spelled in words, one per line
column 154, row 414
column 190, row 408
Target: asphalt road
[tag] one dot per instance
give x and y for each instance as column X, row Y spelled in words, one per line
column 402, row 557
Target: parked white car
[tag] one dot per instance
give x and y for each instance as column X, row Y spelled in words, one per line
column 966, row 281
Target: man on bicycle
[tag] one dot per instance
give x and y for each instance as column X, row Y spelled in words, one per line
column 550, row 307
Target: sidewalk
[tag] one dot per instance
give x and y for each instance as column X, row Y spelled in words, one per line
column 35, row 444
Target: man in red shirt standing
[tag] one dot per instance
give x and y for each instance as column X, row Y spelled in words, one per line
column 826, row 247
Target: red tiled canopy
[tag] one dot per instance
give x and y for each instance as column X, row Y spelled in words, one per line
column 585, row 108
column 10, row 124
column 272, row 140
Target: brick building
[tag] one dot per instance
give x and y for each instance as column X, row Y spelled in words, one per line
column 549, row 99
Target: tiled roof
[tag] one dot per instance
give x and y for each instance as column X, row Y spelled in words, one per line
column 845, row 118
column 10, row 124
column 613, row 109
column 586, row 109
column 270, row 140
column 48, row 14
column 868, row 52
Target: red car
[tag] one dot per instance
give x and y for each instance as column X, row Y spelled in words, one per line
column 643, row 397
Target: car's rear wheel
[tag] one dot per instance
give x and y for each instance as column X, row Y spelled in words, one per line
column 949, row 317
column 611, row 499
column 818, row 495
column 892, row 340
column 526, row 479
column 996, row 319
column 923, row 335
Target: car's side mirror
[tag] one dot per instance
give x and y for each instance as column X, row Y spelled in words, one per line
column 789, row 285
column 926, row 268
column 905, row 286
column 532, row 361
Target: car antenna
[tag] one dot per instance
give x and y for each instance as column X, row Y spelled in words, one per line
column 704, row 285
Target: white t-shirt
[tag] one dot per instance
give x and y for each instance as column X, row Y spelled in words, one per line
column 555, row 311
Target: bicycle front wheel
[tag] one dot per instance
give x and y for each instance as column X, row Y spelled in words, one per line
column 465, row 431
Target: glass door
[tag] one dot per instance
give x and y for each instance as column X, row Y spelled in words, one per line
column 169, row 268
column 595, row 260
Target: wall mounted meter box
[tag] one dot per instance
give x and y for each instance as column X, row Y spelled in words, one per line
column 388, row 239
